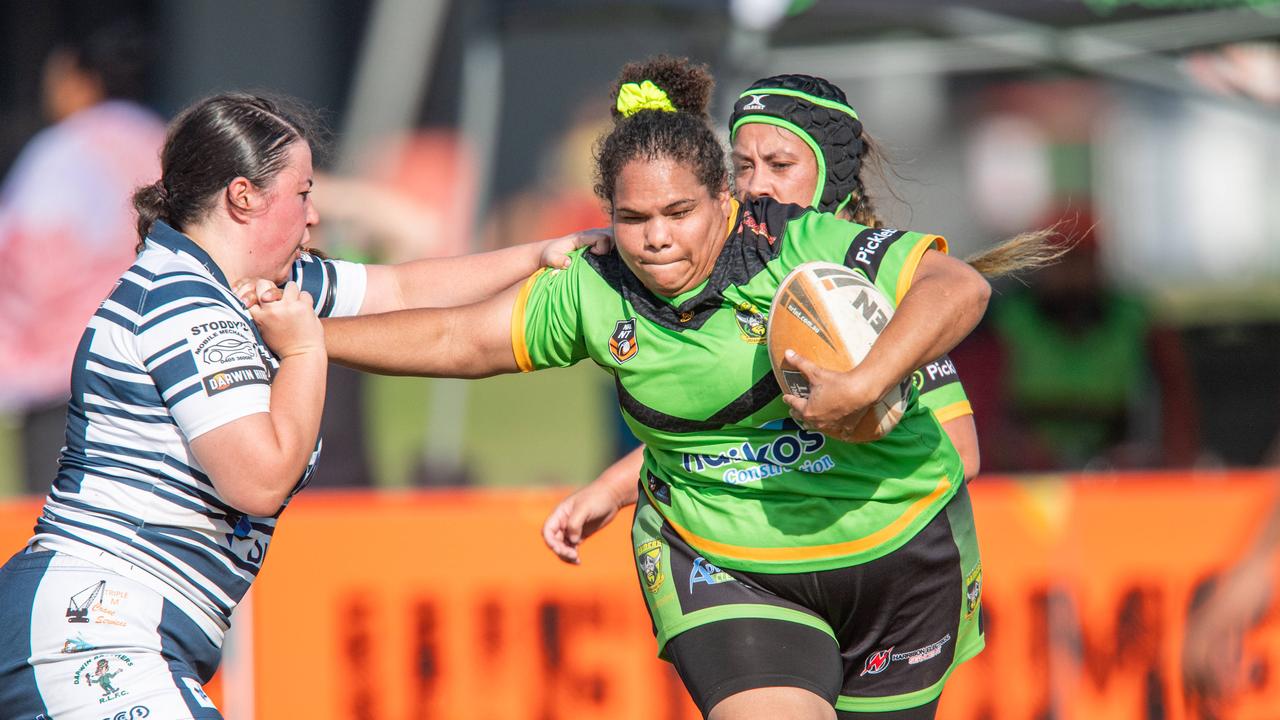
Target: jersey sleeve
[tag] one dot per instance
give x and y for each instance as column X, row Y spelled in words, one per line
column 208, row 365
column 888, row 257
column 940, row 390
column 546, row 323
column 336, row 286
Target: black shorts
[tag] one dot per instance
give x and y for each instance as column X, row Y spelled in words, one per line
column 879, row 636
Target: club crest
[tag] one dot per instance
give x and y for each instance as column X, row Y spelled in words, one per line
column 751, row 322
column 972, row 591
column 649, row 556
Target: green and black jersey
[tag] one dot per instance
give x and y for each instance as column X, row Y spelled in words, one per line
column 940, row 390
column 724, row 463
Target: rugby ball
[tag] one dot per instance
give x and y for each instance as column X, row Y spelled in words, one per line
column 832, row 315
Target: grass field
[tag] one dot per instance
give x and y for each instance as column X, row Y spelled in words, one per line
column 551, row 427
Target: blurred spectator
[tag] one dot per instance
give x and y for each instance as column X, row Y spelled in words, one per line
column 1083, row 367
column 67, row 228
column 1221, row 615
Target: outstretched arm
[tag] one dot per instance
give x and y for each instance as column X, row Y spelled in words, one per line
column 450, row 281
column 944, row 303
column 467, row 342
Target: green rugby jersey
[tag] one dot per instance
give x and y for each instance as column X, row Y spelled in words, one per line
column 724, row 463
column 940, row 390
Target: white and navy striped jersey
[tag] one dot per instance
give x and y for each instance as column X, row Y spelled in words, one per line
column 171, row 354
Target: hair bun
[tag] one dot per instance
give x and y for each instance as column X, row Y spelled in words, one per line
column 687, row 87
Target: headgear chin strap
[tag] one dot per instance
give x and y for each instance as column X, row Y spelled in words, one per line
column 830, row 128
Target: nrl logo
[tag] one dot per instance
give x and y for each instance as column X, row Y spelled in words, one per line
column 622, row 344
column 757, row 103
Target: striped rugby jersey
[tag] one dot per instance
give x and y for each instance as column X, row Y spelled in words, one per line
column 169, row 355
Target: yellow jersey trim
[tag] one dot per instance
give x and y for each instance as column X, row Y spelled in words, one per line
column 812, row 552
column 955, row 410
column 518, row 344
column 908, row 272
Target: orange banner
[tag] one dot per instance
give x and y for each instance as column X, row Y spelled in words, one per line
column 446, row 605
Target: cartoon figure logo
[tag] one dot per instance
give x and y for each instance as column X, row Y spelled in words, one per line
column 751, row 322
column 102, row 676
column 972, row 591
column 649, row 555
column 876, row 662
column 622, row 344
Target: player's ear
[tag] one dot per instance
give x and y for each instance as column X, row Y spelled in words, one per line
column 242, row 196
column 725, row 199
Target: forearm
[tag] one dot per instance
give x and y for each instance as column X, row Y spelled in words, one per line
column 464, row 279
column 297, row 402
column 255, row 462
column 621, row 478
column 465, row 342
column 941, row 308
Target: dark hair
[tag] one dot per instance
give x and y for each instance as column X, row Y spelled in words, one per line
column 684, row 136
column 116, row 53
column 820, row 114
column 212, row 143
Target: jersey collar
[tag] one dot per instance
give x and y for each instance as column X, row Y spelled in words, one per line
column 166, row 237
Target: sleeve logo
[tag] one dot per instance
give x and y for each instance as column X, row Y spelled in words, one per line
column 235, row 377
column 231, row 348
column 622, row 344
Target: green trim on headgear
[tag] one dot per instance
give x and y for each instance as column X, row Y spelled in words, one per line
column 834, row 105
column 843, row 202
column 788, row 125
column 634, row 97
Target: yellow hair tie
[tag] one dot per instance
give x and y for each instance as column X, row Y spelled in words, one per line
column 634, row 97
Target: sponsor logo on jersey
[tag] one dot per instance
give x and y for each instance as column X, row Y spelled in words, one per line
column 134, row 713
column 756, row 103
column 935, row 374
column 197, row 692
column 100, row 672
column 705, row 572
column 649, row 556
column 235, row 377
column 879, row 661
column 235, row 325
column 622, row 343
column 230, row 349
column 876, row 662
column 928, row 652
column 785, row 449
column 751, row 322
column 79, row 603
column 76, row 644
column 972, row 591
column 871, row 245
